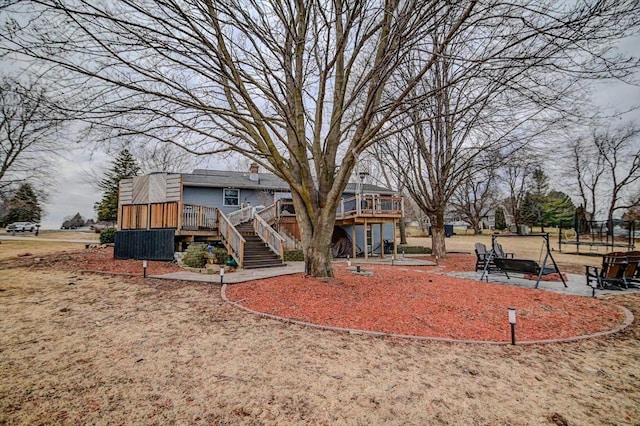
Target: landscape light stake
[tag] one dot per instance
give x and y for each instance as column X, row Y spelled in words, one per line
column 221, row 275
column 144, row 269
column 348, row 261
column 512, row 322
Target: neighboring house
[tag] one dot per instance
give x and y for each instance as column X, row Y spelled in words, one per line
column 245, row 211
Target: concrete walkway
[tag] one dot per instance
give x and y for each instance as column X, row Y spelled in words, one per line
column 236, row 276
column 289, row 269
column 576, row 284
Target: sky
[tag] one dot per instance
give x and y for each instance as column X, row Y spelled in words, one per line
column 74, row 192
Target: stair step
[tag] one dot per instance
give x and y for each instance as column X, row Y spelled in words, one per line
column 256, row 252
column 248, row 265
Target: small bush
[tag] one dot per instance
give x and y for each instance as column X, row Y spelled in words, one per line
column 293, row 255
column 221, row 255
column 108, row 235
column 195, row 256
column 414, row 250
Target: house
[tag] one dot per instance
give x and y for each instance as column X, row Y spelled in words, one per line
column 250, row 213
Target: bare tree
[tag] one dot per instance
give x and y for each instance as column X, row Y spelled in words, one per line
column 477, row 195
column 297, row 86
column 517, row 177
column 587, row 171
column 29, row 125
column 619, row 150
column 606, row 169
column 499, row 84
column 162, row 157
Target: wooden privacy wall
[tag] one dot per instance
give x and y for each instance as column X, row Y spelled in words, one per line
column 155, row 188
column 164, row 215
column 135, row 216
column 150, row 216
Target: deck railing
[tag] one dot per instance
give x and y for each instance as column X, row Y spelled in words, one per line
column 232, row 238
column 269, row 235
column 199, row 217
column 365, row 205
column 370, row 205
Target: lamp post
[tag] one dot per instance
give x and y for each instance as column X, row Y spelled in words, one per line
column 512, row 323
column 221, row 274
column 144, row 269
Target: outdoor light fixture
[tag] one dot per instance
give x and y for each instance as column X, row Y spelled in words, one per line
column 348, row 261
column 221, row 274
column 144, row 269
column 512, row 323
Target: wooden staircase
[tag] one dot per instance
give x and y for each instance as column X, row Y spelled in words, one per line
column 256, row 252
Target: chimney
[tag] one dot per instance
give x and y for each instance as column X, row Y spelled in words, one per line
column 253, row 172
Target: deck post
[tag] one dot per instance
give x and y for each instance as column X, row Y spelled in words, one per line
column 354, row 245
column 366, row 237
column 381, row 240
column 395, row 240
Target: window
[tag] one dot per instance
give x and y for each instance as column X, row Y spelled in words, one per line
column 231, row 197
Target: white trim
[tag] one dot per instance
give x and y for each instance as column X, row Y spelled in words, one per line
column 224, row 197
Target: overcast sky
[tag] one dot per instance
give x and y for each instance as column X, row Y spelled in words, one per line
column 75, row 193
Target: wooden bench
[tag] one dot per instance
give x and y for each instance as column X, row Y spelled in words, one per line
column 618, row 270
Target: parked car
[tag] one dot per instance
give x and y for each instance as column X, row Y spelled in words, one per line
column 21, row 227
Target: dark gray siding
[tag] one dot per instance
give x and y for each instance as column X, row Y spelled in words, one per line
column 144, row 245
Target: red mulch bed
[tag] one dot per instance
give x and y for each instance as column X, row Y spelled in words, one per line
column 101, row 260
column 408, row 300
column 421, row 301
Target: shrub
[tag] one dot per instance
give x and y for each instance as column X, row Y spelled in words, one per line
column 293, row 255
column 413, row 250
column 221, row 255
column 195, row 256
column 108, row 235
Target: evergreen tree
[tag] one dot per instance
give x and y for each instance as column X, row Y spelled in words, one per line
column 124, row 166
column 558, row 208
column 24, row 206
column 532, row 212
column 501, row 222
column 74, row 222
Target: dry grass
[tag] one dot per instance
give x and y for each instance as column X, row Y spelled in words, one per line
column 12, row 248
column 89, row 349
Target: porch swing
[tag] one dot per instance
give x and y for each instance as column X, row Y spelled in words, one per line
column 523, row 266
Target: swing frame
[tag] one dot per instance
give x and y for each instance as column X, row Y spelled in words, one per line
column 541, row 269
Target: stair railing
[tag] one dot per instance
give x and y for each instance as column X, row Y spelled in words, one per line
column 233, row 241
column 239, row 216
column 290, row 242
column 269, row 236
column 269, row 213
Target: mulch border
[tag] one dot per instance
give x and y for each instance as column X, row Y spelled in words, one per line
column 628, row 320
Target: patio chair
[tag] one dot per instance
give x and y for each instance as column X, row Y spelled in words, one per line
column 611, row 273
column 482, row 255
column 632, row 270
column 499, row 251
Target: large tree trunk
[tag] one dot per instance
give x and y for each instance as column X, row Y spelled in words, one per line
column 316, row 231
column 403, row 232
column 438, row 248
